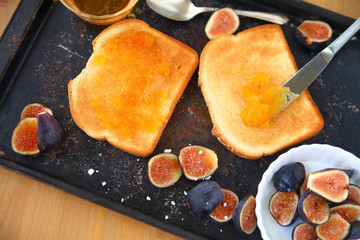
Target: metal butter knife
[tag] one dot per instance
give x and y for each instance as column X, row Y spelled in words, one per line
column 308, row 73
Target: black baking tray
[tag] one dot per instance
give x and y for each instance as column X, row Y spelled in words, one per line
column 45, row 46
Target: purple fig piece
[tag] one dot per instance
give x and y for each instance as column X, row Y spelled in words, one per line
column 49, row 132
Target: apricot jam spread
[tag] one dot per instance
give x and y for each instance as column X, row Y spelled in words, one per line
column 263, row 100
column 133, row 69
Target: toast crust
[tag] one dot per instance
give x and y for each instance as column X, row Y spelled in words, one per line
column 95, row 103
column 226, row 63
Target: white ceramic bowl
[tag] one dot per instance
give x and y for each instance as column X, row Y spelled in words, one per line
column 314, row 157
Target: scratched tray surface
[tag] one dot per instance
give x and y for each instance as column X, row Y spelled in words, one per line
column 120, row 182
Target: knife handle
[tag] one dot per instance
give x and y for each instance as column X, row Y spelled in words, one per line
column 344, row 37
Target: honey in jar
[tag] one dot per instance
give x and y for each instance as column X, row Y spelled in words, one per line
column 100, row 7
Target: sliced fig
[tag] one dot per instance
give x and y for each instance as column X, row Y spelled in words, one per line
column 283, row 207
column 49, row 132
column 223, row 21
column 313, row 209
column 204, row 198
column 224, row 211
column 303, row 187
column 315, row 35
column 244, row 217
column 354, row 231
column 198, row 162
column 354, row 193
column 289, row 177
column 332, row 184
column 23, row 140
column 164, row 170
column 349, row 210
column 304, row 231
column 33, row 109
column 336, row 228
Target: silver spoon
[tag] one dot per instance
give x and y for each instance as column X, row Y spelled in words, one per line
column 184, row 10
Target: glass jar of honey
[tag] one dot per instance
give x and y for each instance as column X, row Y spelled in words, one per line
column 100, row 12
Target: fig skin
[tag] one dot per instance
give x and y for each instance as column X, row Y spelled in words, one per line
column 224, row 211
column 316, row 43
column 49, row 132
column 337, row 227
column 289, row 177
column 348, row 210
column 244, row 217
column 312, row 209
column 164, row 170
column 354, row 231
column 204, row 198
column 223, row 21
column 33, row 109
column 331, row 184
column 23, row 140
column 284, row 216
column 304, row 231
column 197, row 162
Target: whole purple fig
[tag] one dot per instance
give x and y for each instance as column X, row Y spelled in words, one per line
column 49, row 132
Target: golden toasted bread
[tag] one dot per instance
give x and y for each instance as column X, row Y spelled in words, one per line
column 226, row 64
column 130, row 85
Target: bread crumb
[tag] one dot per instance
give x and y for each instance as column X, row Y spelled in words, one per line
column 167, row 151
column 148, row 198
column 166, row 217
column 185, row 193
column 103, row 183
column 173, row 203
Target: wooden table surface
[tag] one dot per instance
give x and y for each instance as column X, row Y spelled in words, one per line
column 32, row 210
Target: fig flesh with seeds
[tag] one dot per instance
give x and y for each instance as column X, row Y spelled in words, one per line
column 331, row 184
column 304, row 231
column 289, row 177
column 198, row 162
column 354, row 193
column 336, row 228
column 223, row 21
column 49, row 132
column 303, row 187
column 349, row 210
column 33, row 109
column 224, row 211
column 204, row 198
column 313, row 34
column 24, row 137
column 244, row 217
column 283, row 207
column 164, row 170
column 312, row 209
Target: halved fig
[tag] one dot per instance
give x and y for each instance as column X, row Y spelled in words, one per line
column 244, row 217
column 23, row 140
column 354, row 231
column 313, row 209
column 33, row 109
column 304, row 231
column 336, row 228
column 164, row 170
column 332, row 184
column 198, row 162
column 223, row 21
column 204, row 197
column 349, row 210
column 289, row 177
column 49, row 132
column 303, row 187
column 354, row 193
column 314, row 34
column 283, row 207
column 224, row 211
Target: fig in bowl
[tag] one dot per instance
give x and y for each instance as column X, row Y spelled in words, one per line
column 315, row 158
